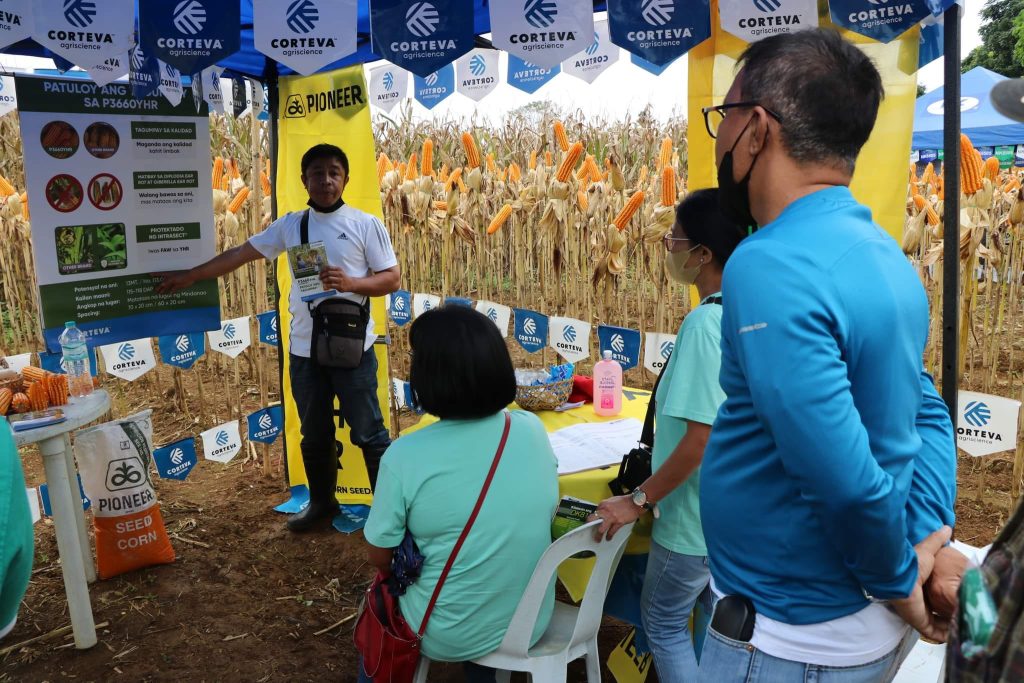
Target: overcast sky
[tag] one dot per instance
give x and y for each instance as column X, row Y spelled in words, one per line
column 622, row 89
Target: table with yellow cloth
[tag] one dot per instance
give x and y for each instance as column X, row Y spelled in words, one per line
column 591, row 485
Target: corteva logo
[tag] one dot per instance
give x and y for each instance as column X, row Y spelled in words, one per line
column 431, row 79
column 273, row 324
column 189, row 17
column 229, row 331
column 767, row 5
column 399, row 303
column 126, row 351
column 540, row 13
column 302, row 16
column 492, row 314
column 657, row 12
column 422, row 19
column 389, row 81
column 182, row 343
column 666, row 349
column 138, row 58
column 222, row 437
column 478, row 65
column 977, row 414
column 618, row 343
column 770, row 21
column 177, row 456
column 79, row 13
column 593, row 47
column 266, row 422
column 882, row 14
column 569, row 334
column 530, row 326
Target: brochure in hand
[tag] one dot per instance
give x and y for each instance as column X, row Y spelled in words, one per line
column 41, row 418
column 306, row 261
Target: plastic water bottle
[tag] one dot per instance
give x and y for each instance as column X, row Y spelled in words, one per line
column 607, row 386
column 75, row 347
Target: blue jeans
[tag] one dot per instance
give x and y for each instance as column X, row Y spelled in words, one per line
column 730, row 661
column 673, row 585
column 315, row 388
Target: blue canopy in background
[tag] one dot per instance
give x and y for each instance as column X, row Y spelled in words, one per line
column 979, row 120
column 250, row 62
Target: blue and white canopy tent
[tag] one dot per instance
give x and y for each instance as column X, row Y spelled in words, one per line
column 979, row 120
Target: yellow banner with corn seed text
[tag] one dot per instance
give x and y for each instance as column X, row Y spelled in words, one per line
column 327, row 108
column 880, row 181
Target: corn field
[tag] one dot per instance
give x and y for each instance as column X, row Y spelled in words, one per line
column 550, row 211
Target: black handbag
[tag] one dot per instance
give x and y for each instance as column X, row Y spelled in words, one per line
column 635, row 467
column 339, row 325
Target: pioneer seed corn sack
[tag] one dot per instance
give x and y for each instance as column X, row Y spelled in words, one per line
column 114, row 461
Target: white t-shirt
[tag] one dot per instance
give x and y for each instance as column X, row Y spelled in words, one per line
column 354, row 240
column 855, row 639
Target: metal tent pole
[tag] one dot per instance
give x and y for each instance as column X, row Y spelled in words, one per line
column 951, row 210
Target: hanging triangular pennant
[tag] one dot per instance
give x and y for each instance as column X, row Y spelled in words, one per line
column 527, row 76
column 497, row 314
column 648, row 66
column 543, row 31
column 268, row 328
column 222, row 443
column 305, row 35
column 111, row 69
column 389, row 85
column 143, row 72
column 85, row 32
column 436, row 87
column 182, row 350
column 176, row 460
column 170, row 83
column 211, row 92
column 129, row 360
column 421, row 303
column 8, row 98
column 18, row 23
column 259, row 100
column 622, row 342
column 598, row 56
column 751, row 21
column 986, row 424
column 658, row 347
column 400, row 307
column 477, row 73
column 233, row 337
column 531, row 329
column 190, row 35
column 419, row 36
column 570, row 338
column 880, row 21
column 659, row 31
column 458, row 301
column 54, row 362
column 266, row 424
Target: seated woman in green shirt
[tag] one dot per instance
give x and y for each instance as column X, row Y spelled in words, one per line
column 429, row 482
column 16, row 537
column 687, row 402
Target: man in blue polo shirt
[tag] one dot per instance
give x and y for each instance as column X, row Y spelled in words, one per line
column 832, row 455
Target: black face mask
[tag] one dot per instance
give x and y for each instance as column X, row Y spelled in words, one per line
column 326, row 209
column 734, row 195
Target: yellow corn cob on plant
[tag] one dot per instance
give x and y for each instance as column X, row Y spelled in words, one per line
column 218, row 172
column 668, row 186
column 533, row 160
column 427, row 160
column 627, row 212
column 412, row 168
column 569, row 162
column 383, row 166
column 547, row 158
column 235, row 172
column 665, row 157
column 582, row 200
column 238, row 200
column 500, row 219
column 992, row 169
column 265, row 184
column 560, row 137
column 6, row 189
column 455, row 177
column 24, row 205
column 514, row 173
column 970, row 169
column 472, row 153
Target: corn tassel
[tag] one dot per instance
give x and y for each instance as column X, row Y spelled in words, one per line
column 500, row 219
column 6, row 189
column 427, row 161
column 239, row 199
column 569, row 162
column 665, row 157
column 631, row 207
column 218, row 172
column 560, row 137
column 472, row 154
column 668, row 186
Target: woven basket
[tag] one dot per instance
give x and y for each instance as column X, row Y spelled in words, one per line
column 543, row 396
column 14, row 382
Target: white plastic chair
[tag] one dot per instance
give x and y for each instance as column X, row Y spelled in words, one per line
column 572, row 632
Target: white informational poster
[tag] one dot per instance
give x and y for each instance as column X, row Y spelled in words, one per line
column 986, row 424
column 222, row 443
column 752, row 21
column 129, row 360
column 389, row 85
column 421, row 303
column 477, row 73
column 498, row 314
column 658, row 347
column 233, row 337
column 119, row 188
column 596, row 444
column 570, row 338
column 543, row 32
column 598, row 56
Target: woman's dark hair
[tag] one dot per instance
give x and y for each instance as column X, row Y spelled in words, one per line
column 704, row 223
column 460, row 364
column 324, row 151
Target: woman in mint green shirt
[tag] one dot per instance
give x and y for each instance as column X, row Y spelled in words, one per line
column 16, row 536
column 429, row 482
column 686, row 404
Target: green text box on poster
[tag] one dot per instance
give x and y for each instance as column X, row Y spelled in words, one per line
column 163, row 130
column 165, row 232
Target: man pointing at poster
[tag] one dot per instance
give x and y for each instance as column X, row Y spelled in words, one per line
column 361, row 264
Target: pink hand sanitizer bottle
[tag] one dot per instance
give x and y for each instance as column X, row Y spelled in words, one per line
column 607, row 386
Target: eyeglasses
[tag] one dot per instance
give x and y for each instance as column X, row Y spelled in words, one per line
column 713, row 116
column 670, row 242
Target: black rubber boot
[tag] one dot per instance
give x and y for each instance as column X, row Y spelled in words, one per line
column 372, row 456
column 322, row 477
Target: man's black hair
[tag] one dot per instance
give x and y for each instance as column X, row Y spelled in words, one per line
column 324, row 151
column 702, row 220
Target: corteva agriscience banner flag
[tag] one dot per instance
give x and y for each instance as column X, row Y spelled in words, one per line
column 143, row 72
column 759, row 19
column 545, row 32
column 190, row 35
column 419, row 35
column 16, row 22
column 305, row 35
column 659, row 31
column 477, row 73
column 119, row 188
column 528, row 77
column 435, row 88
column 389, row 85
column 85, row 32
column 597, row 56
column 882, row 21
column 109, row 70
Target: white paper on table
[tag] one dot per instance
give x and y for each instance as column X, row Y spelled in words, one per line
column 594, row 444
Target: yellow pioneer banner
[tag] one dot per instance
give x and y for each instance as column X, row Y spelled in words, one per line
column 880, row 181
column 329, row 108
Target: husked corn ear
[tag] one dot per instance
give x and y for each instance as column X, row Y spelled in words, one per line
column 992, row 169
column 547, row 158
column 455, row 177
column 462, row 185
column 665, row 157
column 265, row 184
column 412, row 171
column 668, row 186
column 239, row 199
column 582, row 200
column 560, row 137
column 533, row 160
column 491, row 168
column 514, row 172
column 569, row 162
column 442, row 173
column 24, row 205
column 644, row 171
column 225, row 182
column 970, row 167
column 427, row 162
column 1011, row 185
column 472, row 153
column 631, row 207
column 592, row 169
column 235, row 173
column 383, row 166
column 913, row 174
column 922, row 204
column 6, row 189
column 928, row 175
column 218, row 172
column 583, row 173
column 500, row 219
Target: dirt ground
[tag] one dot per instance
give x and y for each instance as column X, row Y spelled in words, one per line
column 246, row 600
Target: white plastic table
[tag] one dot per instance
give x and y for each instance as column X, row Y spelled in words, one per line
column 66, row 502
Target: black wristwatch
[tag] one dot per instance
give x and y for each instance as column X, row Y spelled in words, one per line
column 639, row 497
